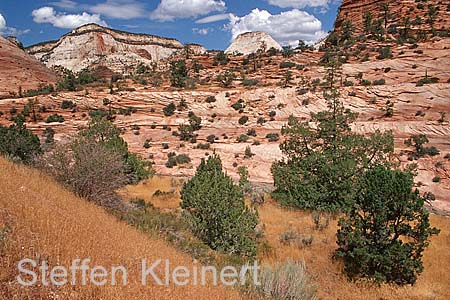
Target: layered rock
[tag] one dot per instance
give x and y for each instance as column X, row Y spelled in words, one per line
column 251, row 42
column 20, row 70
column 94, row 45
column 398, row 12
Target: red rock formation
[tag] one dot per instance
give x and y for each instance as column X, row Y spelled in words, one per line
column 18, row 69
column 354, row 11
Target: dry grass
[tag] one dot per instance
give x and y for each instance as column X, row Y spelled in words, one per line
column 433, row 283
column 48, row 222
column 146, row 189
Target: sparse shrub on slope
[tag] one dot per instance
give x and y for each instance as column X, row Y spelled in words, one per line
column 216, row 209
column 287, row 280
column 384, row 235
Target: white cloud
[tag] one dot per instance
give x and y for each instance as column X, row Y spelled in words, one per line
column 66, row 4
column 119, row 9
column 47, row 14
column 214, row 18
column 169, row 10
column 300, row 3
column 5, row 30
column 2, row 23
column 201, row 31
column 286, row 28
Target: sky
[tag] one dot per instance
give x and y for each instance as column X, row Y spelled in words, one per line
column 211, row 23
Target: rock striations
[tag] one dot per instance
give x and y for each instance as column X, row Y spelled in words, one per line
column 394, row 14
column 251, row 42
column 20, row 70
column 93, row 45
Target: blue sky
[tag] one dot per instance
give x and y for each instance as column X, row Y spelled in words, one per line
column 212, row 23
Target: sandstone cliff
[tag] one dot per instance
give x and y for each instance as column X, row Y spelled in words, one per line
column 94, row 45
column 250, row 42
column 394, row 13
column 18, row 69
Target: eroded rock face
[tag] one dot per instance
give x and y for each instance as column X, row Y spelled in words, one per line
column 20, row 70
column 397, row 12
column 251, row 42
column 92, row 44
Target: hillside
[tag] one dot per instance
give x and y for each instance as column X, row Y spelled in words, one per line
column 93, row 45
column 18, row 69
column 45, row 222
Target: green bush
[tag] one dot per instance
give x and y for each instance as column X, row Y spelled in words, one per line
column 273, row 137
column 379, row 82
column 287, row 64
column 67, row 104
column 249, row 82
column 216, row 209
column 238, row 105
column 384, row 52
column 54, row 118
column 178, row 73
column 169, row 109
column 242, row 138
column 243, row 120
column 18, row 142
column 387, row 230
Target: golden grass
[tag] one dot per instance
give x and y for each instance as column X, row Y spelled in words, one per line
column 145, row 190
column 50, row 223
column 433, row 283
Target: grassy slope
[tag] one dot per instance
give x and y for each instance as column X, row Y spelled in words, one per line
column 50, row 223
column 433, row 284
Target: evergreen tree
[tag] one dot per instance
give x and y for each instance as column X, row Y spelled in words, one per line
column 384, row 235
column 178, row 74
column 216, row 209
column 323, row 162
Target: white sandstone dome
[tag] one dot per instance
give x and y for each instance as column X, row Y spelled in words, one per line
column 251, row 42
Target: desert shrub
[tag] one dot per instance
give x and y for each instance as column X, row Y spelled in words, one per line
column 273, row 137
column 418, row 141
column 243, row 120
column 261, row 121
column 427, row 80
column 348, row 83
column 204, row 146
column 287, row 64
column 226, row 79
column 210, row 99
column 318, row 218
column 420, row 113
column 18, row 142
column 387, row 230
column 165, row 146
column 288, row 280
column 248, row 153
column 147, row 144
column 67, row 104
column 169, row 109
column 216, row 209
column 242, row 138
column 366, row 82
column 251, row 132
column 211, row 138
column 384, row 52
column 104, row 132
column 238, row 105
column 249, row 82
column 91, row 170
column 436, row 179
column 54, row 118
column 42, row 90
column 221, row 58
column 379, row 82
